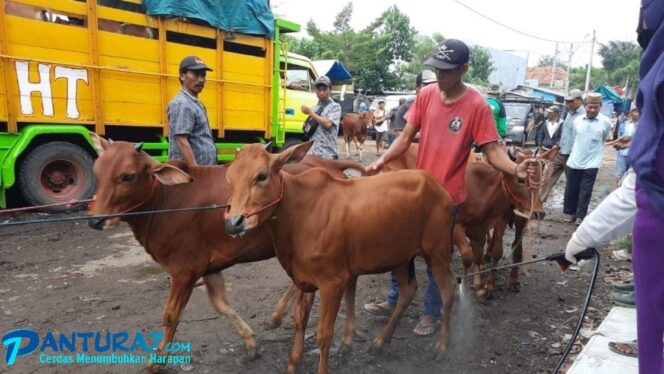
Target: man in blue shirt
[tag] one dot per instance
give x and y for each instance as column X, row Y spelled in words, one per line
column 574, row 103
column 589, row 131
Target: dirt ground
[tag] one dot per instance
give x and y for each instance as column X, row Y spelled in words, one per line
column 66, row 277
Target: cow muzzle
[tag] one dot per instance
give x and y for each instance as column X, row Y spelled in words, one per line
column 104, row 223
column 236, row 225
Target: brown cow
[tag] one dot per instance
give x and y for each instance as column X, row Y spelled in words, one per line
column 188, row 245
column 321, row 246
column 354, row 126
column 491, row 197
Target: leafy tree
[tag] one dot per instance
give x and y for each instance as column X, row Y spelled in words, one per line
column 481, row 66
column 577, row 79
column 617, row 54
column 422, row 50
column 621, row 60
column 546, row 61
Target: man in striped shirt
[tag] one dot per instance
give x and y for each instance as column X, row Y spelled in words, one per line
column 190, row 138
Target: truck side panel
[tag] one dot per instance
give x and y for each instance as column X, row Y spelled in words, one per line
column 54, row 63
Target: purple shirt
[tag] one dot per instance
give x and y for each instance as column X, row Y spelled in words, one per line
column 646, row 151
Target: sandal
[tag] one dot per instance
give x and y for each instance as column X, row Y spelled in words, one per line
column 379, row 309
column 629, row 349
column 426, row 328
column 569, row 218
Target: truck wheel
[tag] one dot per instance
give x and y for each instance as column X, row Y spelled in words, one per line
column 291, row 142
column 56, row 172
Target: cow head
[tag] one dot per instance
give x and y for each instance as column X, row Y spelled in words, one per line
column 367, row 118
column 256, row 185
column 126, row 177
column 538, row 180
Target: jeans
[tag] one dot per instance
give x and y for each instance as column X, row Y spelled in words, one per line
column 432, row 301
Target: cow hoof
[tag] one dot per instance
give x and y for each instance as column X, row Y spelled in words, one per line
column 274, row 324
column 376, row 347
column 345, row 349
column 438, row 356
column 481, row 293
column 252, row 353
column 515, row 287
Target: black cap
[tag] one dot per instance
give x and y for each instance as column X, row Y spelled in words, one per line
column 193, row 63
column 449, row 54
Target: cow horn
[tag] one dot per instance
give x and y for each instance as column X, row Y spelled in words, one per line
column 138, row 146
column 267, row 145
column 110, row 141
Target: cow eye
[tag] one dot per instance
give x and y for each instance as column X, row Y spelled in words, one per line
column 128, row 177
column 261, row 177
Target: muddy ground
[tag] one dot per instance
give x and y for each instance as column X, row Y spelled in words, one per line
column 66, row 277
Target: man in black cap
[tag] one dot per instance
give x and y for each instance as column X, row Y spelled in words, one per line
column 450, row 117
column 327, row 114
column 190, row 138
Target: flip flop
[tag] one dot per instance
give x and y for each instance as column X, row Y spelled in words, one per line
column 428, row 328
column 378, row 309
column 631, row 351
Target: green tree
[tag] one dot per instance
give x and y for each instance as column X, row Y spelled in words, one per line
column 617, row 54
column 481, row 66
column 422, row 50
column 546, row 61
column 577, row 78
column 621, row 60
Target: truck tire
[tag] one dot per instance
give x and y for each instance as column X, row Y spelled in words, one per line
column 290, row 142
column 56, row 172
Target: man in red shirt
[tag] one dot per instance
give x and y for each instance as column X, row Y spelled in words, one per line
column 450, row 117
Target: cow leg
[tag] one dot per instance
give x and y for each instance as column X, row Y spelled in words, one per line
column 349, row 323
column 302, row 308
column 477, row 246
column 405, row 275
column 496, row 246
column 178, row 295
column 330, row 298
column 361, row 148
column 446, row 284
column 217, row 293
column 464, row 249
column 517, row 251
column 282, row 306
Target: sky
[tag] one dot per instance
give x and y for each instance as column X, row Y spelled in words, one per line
column 563, row 20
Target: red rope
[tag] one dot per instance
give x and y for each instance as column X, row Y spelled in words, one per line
column 256, row 211
column 68, row 204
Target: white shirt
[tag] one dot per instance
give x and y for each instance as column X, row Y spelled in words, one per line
column 552, row 127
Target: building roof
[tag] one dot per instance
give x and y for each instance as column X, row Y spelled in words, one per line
column 543, row 74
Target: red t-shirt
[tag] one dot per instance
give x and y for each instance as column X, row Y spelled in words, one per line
column 447, row 133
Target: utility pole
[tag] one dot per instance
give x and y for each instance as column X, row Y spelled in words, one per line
column 569, row 63
column 590, row 62
column 553, row 68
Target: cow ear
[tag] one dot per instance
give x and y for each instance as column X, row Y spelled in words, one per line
column 100, row 143
column 171, row 175
column 291, row 155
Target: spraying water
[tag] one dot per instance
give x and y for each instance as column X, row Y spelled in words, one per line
column 464, row 322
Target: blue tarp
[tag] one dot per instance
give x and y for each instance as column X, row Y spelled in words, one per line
column 243, row 16
column 334, row 70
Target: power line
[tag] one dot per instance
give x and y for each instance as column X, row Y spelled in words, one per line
column 512, row 28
